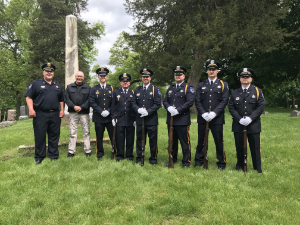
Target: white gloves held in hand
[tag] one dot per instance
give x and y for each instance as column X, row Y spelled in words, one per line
column 209, row 116
column 105, row 113
column 245, row 121
column 114, row 122
column 173, row 111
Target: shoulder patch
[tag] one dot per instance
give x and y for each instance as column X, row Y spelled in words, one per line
column 192, row 90
column 262, row 95
column 158, row 91
column 227, row 86
column 30, row 86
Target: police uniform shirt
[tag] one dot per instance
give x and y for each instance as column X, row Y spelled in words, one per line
column 122, row 107
column 182, row 98
column 45, row 96
column 150, row 99
column 100, row 100
column 241, row 105
column 211, row 98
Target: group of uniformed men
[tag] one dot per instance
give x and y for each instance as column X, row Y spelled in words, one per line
column 125, row 109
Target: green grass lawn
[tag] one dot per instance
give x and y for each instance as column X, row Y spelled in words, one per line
column 86, row 191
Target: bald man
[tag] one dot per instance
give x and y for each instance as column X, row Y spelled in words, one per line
column 77, row 99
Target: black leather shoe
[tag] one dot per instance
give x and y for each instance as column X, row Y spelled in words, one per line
column 221, row 167
column 70, row 155
column 184, row 166
column 38, row 162
column 88, row 154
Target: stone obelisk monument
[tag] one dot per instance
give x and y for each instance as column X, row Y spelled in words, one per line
column 71, row 65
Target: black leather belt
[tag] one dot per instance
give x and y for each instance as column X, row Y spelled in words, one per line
column 49, row 111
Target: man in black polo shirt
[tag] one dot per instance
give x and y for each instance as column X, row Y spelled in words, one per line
column 44, row 97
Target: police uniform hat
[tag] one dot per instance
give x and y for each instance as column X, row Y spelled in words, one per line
column 146, row 72
column 179, row 70
column 102, row 71
column 212, row 64
column 245, row 72
column 124, row 77
column 49, row 67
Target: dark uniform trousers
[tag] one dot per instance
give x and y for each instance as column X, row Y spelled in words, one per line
column 182, row 98
column 100, row 100
column 181, row 133
column 212, row 98
column 122, row 110
column 249, row 104
column 149, row 99
column 46, row 122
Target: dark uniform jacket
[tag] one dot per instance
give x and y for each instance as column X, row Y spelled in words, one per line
column 182, row 99
column 211, row 98
column 45, row 96
column 249, row 105
column 122, row 108
column 78, row 96
column 150, row 100
column 100, row 100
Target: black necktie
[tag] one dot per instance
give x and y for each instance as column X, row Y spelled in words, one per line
column 211, row 82
column 245, row 92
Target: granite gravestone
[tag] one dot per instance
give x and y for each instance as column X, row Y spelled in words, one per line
column 11, row 115
column 295, row 113
column 23, row 115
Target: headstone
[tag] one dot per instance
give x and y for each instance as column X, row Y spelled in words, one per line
column 265, row 112
column 295, row 113
column 23, row 115
column 26, row 110
column 11, row 115
column 6, row 123
column 4, row 117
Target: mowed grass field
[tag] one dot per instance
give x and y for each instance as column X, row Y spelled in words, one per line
column 86, row 191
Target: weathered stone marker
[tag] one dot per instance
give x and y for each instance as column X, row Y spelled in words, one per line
column 71, row 66
column 23, row 115
column 11, row 115
column 295, row 113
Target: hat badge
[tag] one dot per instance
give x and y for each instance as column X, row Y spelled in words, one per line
column 102, row 69
column 212, row 61
column 145, row 69
column 124, row 75
column 177, row 67
column 48, row 64
column 244, row 69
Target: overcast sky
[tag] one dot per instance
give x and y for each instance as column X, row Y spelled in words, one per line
column 112, row 14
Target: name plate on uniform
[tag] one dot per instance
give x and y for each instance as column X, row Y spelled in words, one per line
column 237, row 98
column 203, row 87
column 42, row 86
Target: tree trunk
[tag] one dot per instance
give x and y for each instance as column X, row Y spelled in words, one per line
column 287, row 102
column 18, row 104
column 293, row 102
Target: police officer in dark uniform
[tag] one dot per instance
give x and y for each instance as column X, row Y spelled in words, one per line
column 125, row 118
column 100, row 100
column 44, row 97
column 246, row 105
column 145, row 103
column 211, row 100
column 178, row 101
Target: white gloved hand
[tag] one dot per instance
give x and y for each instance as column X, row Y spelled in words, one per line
column 145, row 113
column 105, row 113
column 248, row 120
column 171, row 109
column 205, row 116
column 175, row 112
column 211, row 116
column 114, row 122
column 134, row 124
column 242, row 121
column 142, row 111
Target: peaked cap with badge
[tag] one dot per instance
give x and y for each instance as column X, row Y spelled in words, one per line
column 245, row 72
column 49, row 67
column 212, row 64
column 145, row 72
column 179, row 70
column 124, row 77
column 102, row 71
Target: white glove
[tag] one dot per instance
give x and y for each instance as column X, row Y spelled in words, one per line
column 105, row 113
column 114, row 122
column 134, row 124
column 171, row 109
column 242, row 121
column 142, row 111
column 211, row 116
column 175, row 112
column 205, row 116
column 248, row 120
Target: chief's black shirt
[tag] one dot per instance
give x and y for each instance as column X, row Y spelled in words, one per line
column 45, row 96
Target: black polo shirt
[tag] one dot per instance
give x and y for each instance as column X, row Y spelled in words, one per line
column 45, row 96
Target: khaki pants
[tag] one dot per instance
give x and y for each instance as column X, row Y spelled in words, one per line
column 85, row 125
